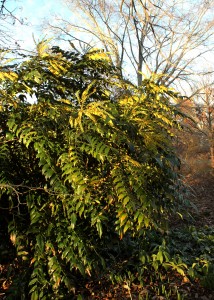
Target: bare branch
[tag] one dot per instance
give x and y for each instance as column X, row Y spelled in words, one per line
column 147, row 35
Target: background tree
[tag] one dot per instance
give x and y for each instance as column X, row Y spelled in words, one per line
column 143, row 36
column 196, row 142
column 8, row 19
column 204, row 102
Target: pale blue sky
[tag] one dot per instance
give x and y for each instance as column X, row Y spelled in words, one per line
column 33, row 12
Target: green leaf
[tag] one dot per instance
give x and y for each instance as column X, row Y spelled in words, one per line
column 99, row 228
column 34, row 280
column 73, row 220
column 160, row 256
column 126, row 227
column 40, row 242
column 125, row 200
column 34, row 293
column 123, row 218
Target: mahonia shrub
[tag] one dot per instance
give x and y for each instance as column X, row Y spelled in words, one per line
column 86, row 169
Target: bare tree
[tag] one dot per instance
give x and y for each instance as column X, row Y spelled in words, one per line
column 204, row 107
column 7, row 20
column 143, row 36
column 2, row 6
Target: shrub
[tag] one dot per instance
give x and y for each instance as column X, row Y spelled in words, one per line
column 87, row 171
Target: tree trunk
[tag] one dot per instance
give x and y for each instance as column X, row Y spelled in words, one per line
column 212, row 155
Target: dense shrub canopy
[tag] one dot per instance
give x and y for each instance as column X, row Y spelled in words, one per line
column 88, row 165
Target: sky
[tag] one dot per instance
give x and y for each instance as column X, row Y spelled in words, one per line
column 33, row 13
